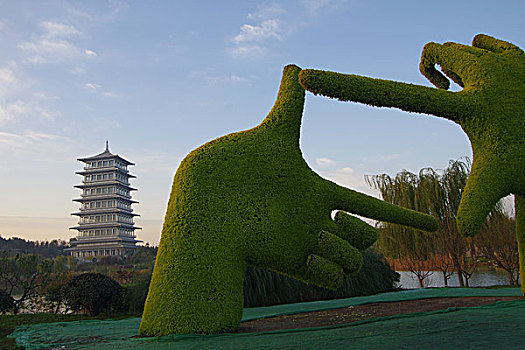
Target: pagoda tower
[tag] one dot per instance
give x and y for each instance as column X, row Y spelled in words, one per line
column 105, row 226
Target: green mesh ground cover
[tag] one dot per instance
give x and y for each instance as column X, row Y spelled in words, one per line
column 480, row 327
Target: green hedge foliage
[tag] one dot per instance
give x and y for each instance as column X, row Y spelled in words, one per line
column 135, row 294
column 95, row 293
column 250, row 199
column 263, row 287
column 490, row 109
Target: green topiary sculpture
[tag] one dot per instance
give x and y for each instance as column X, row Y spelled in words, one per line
column 249, row 198
column 490, row 109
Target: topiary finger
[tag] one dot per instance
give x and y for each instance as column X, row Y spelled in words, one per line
column 461, row 66
column 487, row 42
column 355, row 231
column 323, row 272
column 339, row 251
column 468, row 49
column 483, row 190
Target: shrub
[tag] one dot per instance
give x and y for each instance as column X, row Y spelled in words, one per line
column 135, row 294
column 6, row 302
column 93, row 292
column 263, row 287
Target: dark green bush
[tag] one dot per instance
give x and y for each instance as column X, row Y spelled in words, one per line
column 135, row 294
column 263, row 287
column 6, row 302
column 95, row 293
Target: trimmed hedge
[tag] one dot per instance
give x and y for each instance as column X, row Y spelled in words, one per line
column 263, row 287
column 250, row 199
column 490, row 109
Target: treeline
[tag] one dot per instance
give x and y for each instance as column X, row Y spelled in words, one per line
column 32, row 283
column 439, row 194
column 46, row 249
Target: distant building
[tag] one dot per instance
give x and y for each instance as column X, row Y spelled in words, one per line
column 105, row 226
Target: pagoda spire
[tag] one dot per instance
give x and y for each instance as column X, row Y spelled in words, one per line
column 107, row 146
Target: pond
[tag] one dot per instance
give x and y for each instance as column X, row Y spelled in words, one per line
column 482, row 277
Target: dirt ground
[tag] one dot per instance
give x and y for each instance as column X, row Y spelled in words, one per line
column 362, row 312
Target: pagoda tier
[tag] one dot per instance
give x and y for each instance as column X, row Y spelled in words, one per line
column 105, row 183
column 85, row 199
column 105, row 226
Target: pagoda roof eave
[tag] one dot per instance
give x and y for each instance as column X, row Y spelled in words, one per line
column 104, row 211
column 105, row 183
column 104, row 155
column 105, row 170
column 104, row 225
column 103, row 197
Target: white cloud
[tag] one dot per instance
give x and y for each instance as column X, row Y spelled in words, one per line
column 7, row 80
column 49, row 51
column 267, row 29
column 96, row 88
column 345, row 171
column 324, row 162
column 58, row 30
column 267, row 10
column 110, row 94
column 26, row 141
column 54, row 45
column 212, row 77
column 93, row 86
column 271, row 23
column 34, row 107
column 314, row 6
column 247, row 51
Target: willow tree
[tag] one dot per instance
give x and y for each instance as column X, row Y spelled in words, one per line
column 437, row 194
column 411, row 246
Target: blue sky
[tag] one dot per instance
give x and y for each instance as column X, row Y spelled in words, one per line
column 159, row 78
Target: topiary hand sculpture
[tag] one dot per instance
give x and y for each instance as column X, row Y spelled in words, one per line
column 490, row 109
column 249, row 198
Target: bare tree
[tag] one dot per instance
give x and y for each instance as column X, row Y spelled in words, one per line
column 497, row 242
column 22, row 275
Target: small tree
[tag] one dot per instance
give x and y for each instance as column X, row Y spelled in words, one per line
column 497, row 242
column 93, row 292
column 52, row 292
column 22, row 275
